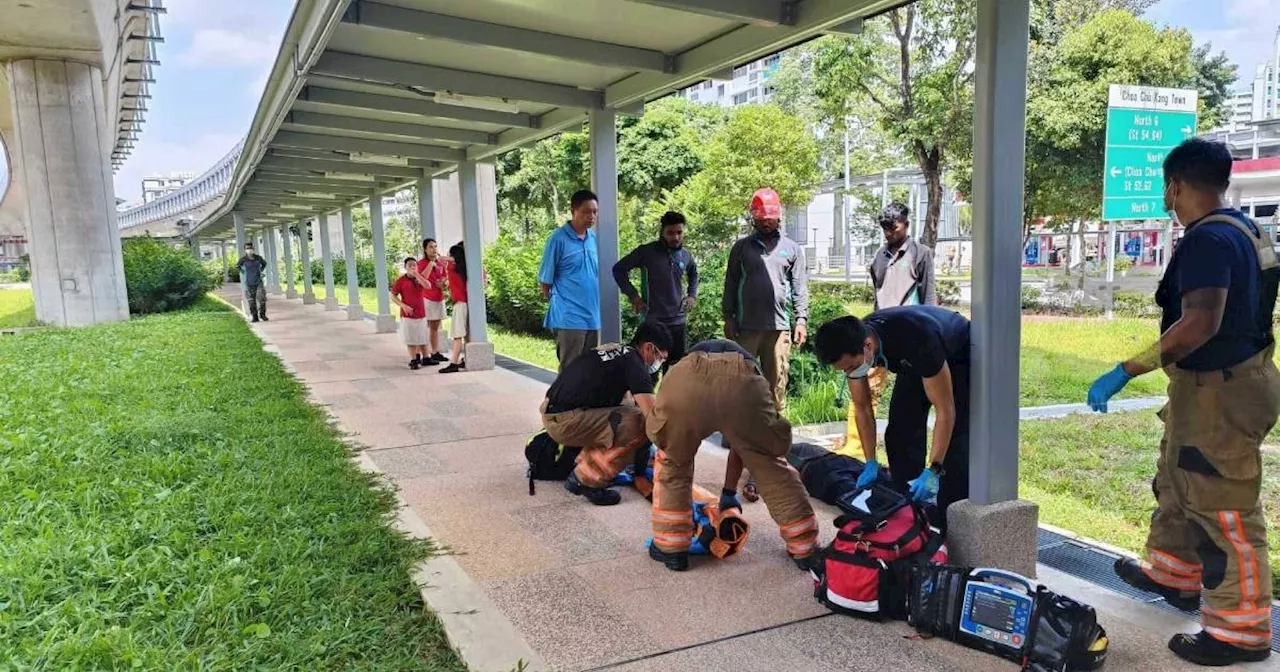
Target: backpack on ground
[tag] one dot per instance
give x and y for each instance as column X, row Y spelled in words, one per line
column 548, row 460
column 867, row 568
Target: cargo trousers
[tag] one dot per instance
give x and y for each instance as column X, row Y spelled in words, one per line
column 772, row 349
column 608, row 438
column 709, row 392
column 255, row 297
column 1208, row 533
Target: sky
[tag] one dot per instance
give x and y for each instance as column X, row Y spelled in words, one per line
column 217, row 54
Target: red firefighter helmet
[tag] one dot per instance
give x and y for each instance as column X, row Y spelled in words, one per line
column 765, row 204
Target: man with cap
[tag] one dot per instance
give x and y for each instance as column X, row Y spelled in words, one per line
column 252, row 267
column 927, row 347
column 766, row 284
column 1208, row 536
column 718, row 387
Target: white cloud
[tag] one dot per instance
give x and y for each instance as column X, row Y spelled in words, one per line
column 152, row 157
column 218, row 47
column 1244, row 29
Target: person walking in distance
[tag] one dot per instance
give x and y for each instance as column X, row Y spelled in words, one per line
column 765, row 283
column 664, row 267
column 431, row 275
column 1208, row 536
column 456, row 268
column 252, row 267
column 570, row 280
column 902, row 274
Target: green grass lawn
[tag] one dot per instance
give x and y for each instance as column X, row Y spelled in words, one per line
column 1091, row 474
column 17, row 308
column 169, row 500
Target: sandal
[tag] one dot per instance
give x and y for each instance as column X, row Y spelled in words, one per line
column 750, row 492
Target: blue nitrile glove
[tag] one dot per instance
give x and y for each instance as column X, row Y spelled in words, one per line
column 869, row 474
column 925, row 487
column 729, row 500
column 1106, row 386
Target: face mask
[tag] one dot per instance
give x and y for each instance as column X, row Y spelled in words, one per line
column 653, row 368
column 1173, row 210
column 860, row 372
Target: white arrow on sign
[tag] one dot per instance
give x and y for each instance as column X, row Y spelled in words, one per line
column 1187, row 130
column 1115, row 172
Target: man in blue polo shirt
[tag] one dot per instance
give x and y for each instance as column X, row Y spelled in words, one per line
column 1208, row 536
column 570, row 280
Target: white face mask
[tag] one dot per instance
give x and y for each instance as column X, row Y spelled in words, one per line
column 657, row 364
column 860, row 372
column 1173, row 211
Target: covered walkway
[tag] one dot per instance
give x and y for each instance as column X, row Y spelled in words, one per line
column 568, row 586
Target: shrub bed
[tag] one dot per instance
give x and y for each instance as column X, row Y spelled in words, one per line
column 161, row 277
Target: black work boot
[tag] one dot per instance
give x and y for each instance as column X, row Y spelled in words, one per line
column 1130, row 571
column 1202, row 649
column 811, row 563
column 597, row 496
column 676, row 562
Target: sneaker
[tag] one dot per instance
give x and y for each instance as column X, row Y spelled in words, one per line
column 1203, row 649
column 1130, row 571
column 439, row 358
column 413, row 364
column 676, row 562
column 428, row 361
column 597, row 496
column 452, row 368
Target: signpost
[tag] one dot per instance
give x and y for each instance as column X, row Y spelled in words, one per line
column 1143, row 124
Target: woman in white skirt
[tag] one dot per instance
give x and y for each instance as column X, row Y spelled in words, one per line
column 432, row 271
column 407, row 292
column 457, row 271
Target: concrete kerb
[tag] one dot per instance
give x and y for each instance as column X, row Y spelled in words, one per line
column 480, row 633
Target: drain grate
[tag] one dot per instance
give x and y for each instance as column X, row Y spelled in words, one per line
column 527, row 370
column 1094, row 565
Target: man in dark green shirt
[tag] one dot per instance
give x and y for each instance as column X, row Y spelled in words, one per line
column 664, row 265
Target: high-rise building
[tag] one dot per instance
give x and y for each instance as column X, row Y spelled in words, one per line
column 1259, row 98
column 158, row 186
column 750, row 84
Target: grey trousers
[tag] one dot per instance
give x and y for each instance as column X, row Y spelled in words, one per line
column 256, row 297
column 573, row 342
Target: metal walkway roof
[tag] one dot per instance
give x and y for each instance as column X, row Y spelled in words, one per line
column 369, row 95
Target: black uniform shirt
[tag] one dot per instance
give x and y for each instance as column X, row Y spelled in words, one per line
column 599, row 379
column 917, row 340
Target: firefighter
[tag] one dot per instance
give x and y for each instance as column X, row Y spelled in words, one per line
column 584, row 407
column 1208, row 537
column 718, row 387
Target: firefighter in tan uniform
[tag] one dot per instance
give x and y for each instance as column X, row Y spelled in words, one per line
column 718, row 387
column 584, row 407
column 1208, row 536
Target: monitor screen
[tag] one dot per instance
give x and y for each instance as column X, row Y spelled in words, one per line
column 993, row 611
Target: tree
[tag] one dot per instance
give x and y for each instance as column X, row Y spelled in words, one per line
column 665, row 146
column 912, row 71
column 760, row 146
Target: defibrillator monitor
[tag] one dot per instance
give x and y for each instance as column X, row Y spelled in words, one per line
column 997, row 610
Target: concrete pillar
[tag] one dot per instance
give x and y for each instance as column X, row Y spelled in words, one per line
column 385, row 323
column 355, row 311
column 304, row 246
column 427, row 209
column 604, row 182
column 479, row 351
column 195, row 248
column 226, row 268
column 326, row 257
column 287, row 236
column 273, row 261
column 61, row 159
column 242, row 237
column 993, row 528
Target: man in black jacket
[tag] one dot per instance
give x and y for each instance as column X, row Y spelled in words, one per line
column 664, row 265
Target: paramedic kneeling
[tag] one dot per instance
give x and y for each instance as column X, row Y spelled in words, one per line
column 584, row 408
column 927, row 347
column 1208, row 536
column 718, row 387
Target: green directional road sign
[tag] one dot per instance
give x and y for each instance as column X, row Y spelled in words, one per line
column 1143, row 124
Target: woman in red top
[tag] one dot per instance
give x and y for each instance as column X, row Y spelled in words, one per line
column 457, row 269
column 432, row 271
column 408, row 293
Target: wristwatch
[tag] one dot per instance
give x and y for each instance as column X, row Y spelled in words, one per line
column 936, row 468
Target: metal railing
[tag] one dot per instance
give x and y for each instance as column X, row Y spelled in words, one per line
column 210, row 185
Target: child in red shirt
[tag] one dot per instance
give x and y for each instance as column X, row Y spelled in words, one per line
column 408, row 293
column 457, row 270
column 432, row 270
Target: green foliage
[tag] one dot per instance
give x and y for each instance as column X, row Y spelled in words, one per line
column 948, row 292
column 366, row 272
column 17, row 308
column 214, row 268
column 162, row 278
column 660, row 150
column 171, row 500
column 24, row 270
column 512, row 295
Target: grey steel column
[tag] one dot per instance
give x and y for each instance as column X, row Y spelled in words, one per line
column 604, row 181
column 999, row 129
column 273, row 261
column 385, row 322
column 427, row 208
column 326, row 256
column 287, row 235
column 469, row 190
column 355, row 311
column 304, row 246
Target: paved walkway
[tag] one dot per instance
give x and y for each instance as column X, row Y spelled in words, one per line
column 574, row 579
